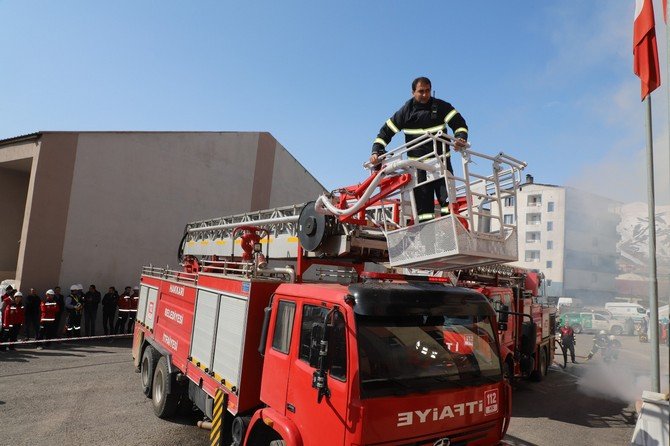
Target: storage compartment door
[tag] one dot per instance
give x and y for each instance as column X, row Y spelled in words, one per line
column 204, row 328
column 230, row 338
column 142, row 304
column 151, row 308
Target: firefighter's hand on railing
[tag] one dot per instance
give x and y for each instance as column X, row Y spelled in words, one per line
column 460, row 143
column 375, row 163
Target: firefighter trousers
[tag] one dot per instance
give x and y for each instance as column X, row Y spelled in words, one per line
column 48, row 330
column 121, row 322
column 73, row 323
column 424, row 196
column 567, row 347
column 10, row 334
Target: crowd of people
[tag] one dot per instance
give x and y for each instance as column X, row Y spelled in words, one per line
column 54, row 315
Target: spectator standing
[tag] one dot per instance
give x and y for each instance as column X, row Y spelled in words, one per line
column 132, row 314
column 91, row 303
column 32, row 314
column 49, row 310
column 12, row 319
column 74, row 304
column 6, row 298
column 124, row 310
column 568, row 342
column 60, row 300
column 110, row 302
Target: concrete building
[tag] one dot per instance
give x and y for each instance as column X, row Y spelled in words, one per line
column 569, row 235
column 93, row 207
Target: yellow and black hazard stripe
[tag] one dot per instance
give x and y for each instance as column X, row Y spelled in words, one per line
column 220, row 403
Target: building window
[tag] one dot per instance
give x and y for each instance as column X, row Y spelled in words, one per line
column 550, row 244
column 550, row 206
column 508, row 219
column 534, row 200
column 281, row 340
column 550, row 226
column 532, row 256
column 548, row 282
column 533, row 219
column 533, row 237
column 509, row 201
column 549, row 264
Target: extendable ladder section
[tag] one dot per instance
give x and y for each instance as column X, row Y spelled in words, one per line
column 214, row 237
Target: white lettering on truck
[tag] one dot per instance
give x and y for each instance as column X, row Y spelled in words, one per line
column 172, row 343
column 176, row 289
column 488, row 406
column 171, row 314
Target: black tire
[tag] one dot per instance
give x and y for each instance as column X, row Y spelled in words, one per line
column 577, row 328
column 164, row 401
column 147, row 368
column 508, row 371
column 616, row 330
column 537, row 375
column 277, row 443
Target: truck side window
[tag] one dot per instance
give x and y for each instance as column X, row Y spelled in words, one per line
column 338, row 349
column 281, row 340
column 312, row 314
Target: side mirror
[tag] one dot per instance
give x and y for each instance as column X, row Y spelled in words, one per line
column 316, row 336
column 503, row 317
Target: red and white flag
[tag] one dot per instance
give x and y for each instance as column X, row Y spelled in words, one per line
column 645, row 55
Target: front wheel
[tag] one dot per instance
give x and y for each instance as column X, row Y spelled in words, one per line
column 577, row 328
column 164, row 401
column 616, row 330
column 147, row 368
column 277, row 443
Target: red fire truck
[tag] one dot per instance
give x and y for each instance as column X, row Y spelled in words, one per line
column 527, row 336
column 302, row 338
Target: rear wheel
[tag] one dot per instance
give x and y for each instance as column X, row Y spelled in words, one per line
column 278, row 443
column 537, row 375
column 147, row 368
column 577, row 328
column 164, row 401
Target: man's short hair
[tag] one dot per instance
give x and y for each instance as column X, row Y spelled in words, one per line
column 423, row 80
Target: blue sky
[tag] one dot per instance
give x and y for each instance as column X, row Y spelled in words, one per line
column 547, row 82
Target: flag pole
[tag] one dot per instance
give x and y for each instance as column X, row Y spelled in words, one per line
column 653, row 281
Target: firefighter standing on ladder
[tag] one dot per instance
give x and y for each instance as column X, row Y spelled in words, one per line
column 417, row 116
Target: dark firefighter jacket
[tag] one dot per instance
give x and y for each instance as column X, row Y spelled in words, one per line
column 415, row 119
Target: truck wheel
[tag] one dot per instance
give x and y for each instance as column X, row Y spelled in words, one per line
column 537, row 375
column 617, row 330
column 277, row 443
column 508, row 371
column 147, row 368
column 577, row 328
column 164, row 400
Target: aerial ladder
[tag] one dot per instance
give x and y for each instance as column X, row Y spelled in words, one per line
column 374, row 221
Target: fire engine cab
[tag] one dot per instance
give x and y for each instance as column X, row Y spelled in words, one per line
column 302, row 338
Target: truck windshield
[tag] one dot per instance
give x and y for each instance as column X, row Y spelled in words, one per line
column 425, row 353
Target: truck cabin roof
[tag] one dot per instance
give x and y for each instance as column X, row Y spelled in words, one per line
column 401, row 299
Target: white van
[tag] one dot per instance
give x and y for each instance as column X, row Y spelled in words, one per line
column 626, row 310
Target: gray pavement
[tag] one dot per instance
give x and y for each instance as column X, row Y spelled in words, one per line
column 89, row 394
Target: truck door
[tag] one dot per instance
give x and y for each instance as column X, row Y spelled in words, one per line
column 277, row 355
column 324, row 422
column 587, row 321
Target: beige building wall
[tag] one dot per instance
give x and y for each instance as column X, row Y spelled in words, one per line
column 102, row 204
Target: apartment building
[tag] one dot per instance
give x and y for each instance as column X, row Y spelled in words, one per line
column 570, row 236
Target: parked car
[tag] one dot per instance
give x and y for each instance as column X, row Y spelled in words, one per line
column 592, row 322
